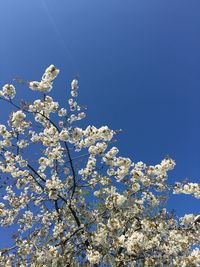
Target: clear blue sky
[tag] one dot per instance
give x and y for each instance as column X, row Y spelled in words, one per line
column 139, row 68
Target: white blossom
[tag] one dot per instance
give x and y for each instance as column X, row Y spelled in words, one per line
column 93, row 256
column 9, row 91
column 45, row 85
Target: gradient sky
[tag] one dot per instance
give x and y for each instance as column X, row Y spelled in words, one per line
column 139, row 68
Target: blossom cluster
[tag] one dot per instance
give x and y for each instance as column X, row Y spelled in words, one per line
column 46, row 84
column 188, row 189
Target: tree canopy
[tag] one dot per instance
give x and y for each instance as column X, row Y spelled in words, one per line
column 75, row 201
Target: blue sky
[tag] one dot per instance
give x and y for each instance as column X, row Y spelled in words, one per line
column 139, row 68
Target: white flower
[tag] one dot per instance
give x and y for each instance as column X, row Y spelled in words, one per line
column 114, row 224
column 76, row 135
column 62, row 112
column 45, row 85
column 9, row 91
column 2, row 129
column 18, row 116
column 168, row 164
column 50, row 73
column 64, row 135
column 115, row 199
column 189, row 188
column 74, row 84
column 58, row 229
column 187, row 219
column 18, row 119
column 99, row 148
column 135, row 242
column 105, row 133
column 93, row 256
column 54, row 183
column 81, row 115
column 53, row 251
column 34, row 85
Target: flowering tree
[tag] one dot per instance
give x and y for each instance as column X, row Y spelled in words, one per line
column 75, row 202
